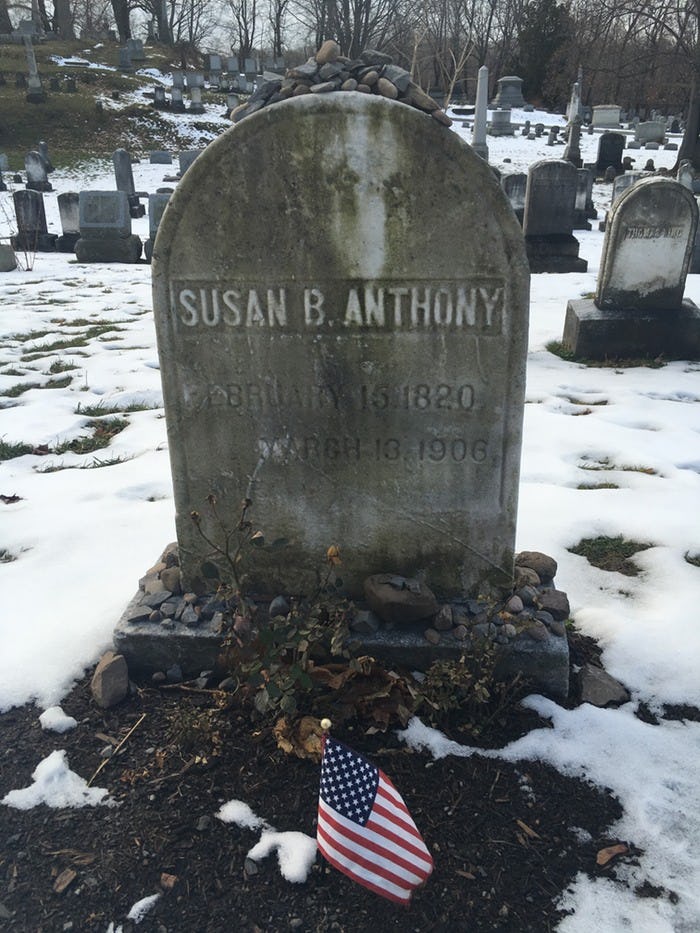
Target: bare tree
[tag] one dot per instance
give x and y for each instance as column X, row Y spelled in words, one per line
column 245, row 26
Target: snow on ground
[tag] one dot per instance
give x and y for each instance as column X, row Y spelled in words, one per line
column 86, row 526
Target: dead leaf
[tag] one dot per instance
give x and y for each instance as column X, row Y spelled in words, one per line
column 607, row 854
column 167, row 882
column 333, row 555
column 302, row 738
column 465, row 874
column 527, row 830
column 66, row 878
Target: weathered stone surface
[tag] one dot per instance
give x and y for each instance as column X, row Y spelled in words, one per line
column 329, row 52
column 544, row 566
column 600, row 689
column 110, row 682
column 365, row 622
column 286, row 349
column 399, row 600
column 556, row 603
column 8, row 260
column 170, row 579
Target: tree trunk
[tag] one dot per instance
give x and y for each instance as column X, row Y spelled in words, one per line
column 120, row 8
column 165, row 34
column 5, row 24
column 63, row 19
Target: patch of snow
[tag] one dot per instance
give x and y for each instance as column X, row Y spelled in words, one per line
column 57, row 786
column 55, row 720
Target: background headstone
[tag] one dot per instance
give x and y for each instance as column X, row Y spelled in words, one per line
column 481, row 114
column 35, row 167
column 32, row 234
column 638, row 309
column 610, row 149
column 69, row 211
column 358, row 372
column 105, row 228
column 510, row 92
column 156, row 205
column 549, row 217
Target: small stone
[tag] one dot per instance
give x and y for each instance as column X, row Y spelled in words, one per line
column 398, row 599
column 295, row 923
column 110, row 682
column 174, row 674
column 485, row 630
column 387, row 89
column 349, row 85
column 307, row 70
column 228, row 683
column 365, row 622
column 432, row 636
column 330, row 71
column 167, row 624
column 441, row 117
column 325, row 87
column 167, row 609
column 139, row 614
column 329, row 52
column 461, row 632
column 373, row 57
column 399, row 77
column 364, row 89
column 151, row 583
column 190, row 616
column 443, row 620
column 536, row 630
column 203, row 824
column 239, row 112
column 107, row 751
column 600, row 689
column 509, row 630
column 528, row 595
column 155, row 599
column 418, row 98
column 544, row 566
column 301, row 89
column 250, row 867
column 555, row 602
column 545, row 617
column 155, row 616
column 557, row 628
column 170, row 579
column 514, row 605
column 278, row 607
column 370, row 78
column 158, row 677
column 524, row 576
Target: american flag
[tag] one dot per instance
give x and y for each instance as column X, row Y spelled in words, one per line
column 364, row 827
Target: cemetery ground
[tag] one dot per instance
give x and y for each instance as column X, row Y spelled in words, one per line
column 569, row 816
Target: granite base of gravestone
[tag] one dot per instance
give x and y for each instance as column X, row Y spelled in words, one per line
column 32, row 235
column 105, row 228
column 548, row 223
column 379, row 345
column 638, row 309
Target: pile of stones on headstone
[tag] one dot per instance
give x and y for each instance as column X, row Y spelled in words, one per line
column 534, row 610
column 372, row 73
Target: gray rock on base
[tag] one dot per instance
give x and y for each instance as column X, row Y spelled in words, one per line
column 398, row 600
column 544, row 566
column 601, row 689
column 556, row 603
column 110, row 682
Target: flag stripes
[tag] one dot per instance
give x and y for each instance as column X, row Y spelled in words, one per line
column 365, row 829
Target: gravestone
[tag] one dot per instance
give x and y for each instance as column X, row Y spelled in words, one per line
column 32, row 234
column 232, row 64
column 500, row 124
column 638, row 309
column 195, row 79
column 8, row 259
column 196, row 105
column 539, row 129
column 584, row 187
column 4, row 162
column 177, row 104
column 125, row 59
column 160, row 157
column 186, row 158
column 572, row 151
column 651, row 131
column 124, row 178
column 105, row 228
column 481, row 115
column 35, row 167
column 43, row 150
column 606, row 115
column 610, row 148
column 3, row 186
column 35, row 92
column 549, row 218
column 69, row 210
column 510, row 93
column 514, row 186
column 156, row 205
column 574, row 110
column 525, row 131
column 214, row 63
column 620, row 183
column 178, row 79
column 135, row 49
column 159, row 101
column 357, row 372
